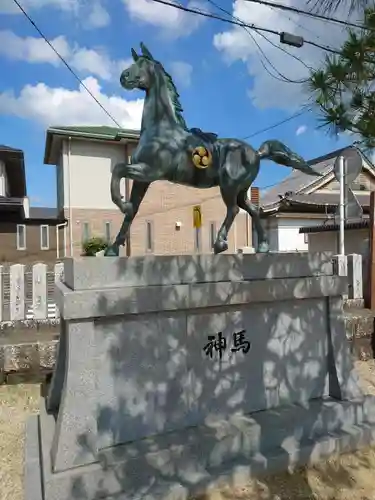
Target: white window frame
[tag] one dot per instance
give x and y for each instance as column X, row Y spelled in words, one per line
column 108, row 237
column 83, row 239
column 46, row 227
column 18, row 236
column 149, row 248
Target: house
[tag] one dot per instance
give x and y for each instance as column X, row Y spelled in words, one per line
column 27, row 234
column 84, row 158
column 310, row 202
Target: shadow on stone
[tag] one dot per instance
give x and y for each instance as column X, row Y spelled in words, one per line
column 137, row 409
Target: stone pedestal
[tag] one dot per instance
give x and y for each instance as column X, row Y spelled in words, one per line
column 139, row 406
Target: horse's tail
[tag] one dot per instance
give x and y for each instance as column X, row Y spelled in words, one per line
column 281, row 154
column 117, row 175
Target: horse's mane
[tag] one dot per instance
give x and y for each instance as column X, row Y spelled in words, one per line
column 175, row 96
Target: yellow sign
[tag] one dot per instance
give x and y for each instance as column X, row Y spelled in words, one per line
column 197, row 216
column 202, row 157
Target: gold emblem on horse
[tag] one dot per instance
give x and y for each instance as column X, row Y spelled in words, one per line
column 201, row 157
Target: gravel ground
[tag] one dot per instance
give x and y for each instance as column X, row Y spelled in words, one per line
column 348, row 477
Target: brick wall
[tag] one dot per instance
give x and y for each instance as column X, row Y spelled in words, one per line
column 163, row 206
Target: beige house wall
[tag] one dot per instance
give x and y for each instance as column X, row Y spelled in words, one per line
column 166, row 206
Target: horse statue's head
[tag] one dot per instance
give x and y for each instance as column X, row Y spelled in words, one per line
column 141, row 74
column 146, row 73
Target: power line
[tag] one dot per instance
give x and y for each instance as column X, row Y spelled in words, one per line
column 296, row 23
column 243, row 24
column 277, row 124
column 310, row 14
column 283, row 77
column 98, row 102
column 66, row 64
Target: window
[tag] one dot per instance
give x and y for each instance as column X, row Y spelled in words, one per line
column 85, row 231
column 3, row 180
column 248, row 230
column 197, row 239
column 21, row 237
column 212, row 234
column 44, row 237
column 149, row 236
column 107, row 231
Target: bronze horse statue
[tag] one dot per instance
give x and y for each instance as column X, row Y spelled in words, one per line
column 168, row 150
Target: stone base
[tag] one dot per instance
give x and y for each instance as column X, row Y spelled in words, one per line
column 189, row 462
column 175, row 373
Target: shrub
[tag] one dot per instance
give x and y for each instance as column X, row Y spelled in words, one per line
column 94, row 245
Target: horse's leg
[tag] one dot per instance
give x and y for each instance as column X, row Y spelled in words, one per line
column 138, row 172
column 142, row 176
column 229, row 198
column 138, row 192
column 244, row 203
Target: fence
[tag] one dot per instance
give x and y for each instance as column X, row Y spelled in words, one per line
column 27, row 292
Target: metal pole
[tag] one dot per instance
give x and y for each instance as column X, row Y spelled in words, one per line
column 370, row 292
column 342, row 204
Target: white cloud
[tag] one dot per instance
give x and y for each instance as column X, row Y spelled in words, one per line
column 36, row 50
column 301, row 130
column 182, row 72
column 60, row 106
column 236, row 45
column 172, row 21
column 9, row 7
column 91, row 13
column 98, row 16
column 32, row 49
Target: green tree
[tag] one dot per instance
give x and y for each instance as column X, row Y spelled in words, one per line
column 343, row 89
column 331, row 6
column 93, row 245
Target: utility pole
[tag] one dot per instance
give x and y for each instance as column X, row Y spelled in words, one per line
column 370, row 299
column 342, row 205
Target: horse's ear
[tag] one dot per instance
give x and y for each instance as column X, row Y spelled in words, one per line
column 135, row 55
column 146, row 52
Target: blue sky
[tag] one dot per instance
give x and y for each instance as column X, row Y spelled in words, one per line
column 217, row 70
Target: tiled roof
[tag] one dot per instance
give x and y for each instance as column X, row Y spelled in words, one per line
column 103, row 130
column 43, row 213
column 298, row 181
column 99, row 133
column 9, row 149
column 322, row 199
column 331, row 226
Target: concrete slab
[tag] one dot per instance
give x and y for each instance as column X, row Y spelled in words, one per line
column 181, row 464
column 86, row 273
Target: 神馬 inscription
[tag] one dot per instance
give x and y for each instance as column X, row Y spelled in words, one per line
column 218, row 343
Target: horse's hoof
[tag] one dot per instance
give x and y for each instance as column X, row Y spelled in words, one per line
column 220, row 246
column 263, row 247
column 112, row 251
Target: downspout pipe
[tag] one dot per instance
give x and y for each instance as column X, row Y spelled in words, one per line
column 59, row 226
